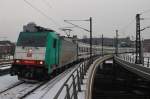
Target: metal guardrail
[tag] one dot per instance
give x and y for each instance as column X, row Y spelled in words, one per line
column 5, row 66
column 147, row 62
column 6, row 62
column 131, row 59
column 138, row 69
column 72, row 85
column 127, row 58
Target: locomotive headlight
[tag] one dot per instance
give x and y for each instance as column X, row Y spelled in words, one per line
column 17, row 61
column 30, row 50
column 41, row 62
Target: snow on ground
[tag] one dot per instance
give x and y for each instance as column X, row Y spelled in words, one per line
column 6, row 81
column 18, row 91
column 81, row 95
column 47, row 91
column 43, row 93
column 109, row 61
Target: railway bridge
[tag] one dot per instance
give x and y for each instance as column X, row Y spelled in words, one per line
column 110, row 76
column 119, row 78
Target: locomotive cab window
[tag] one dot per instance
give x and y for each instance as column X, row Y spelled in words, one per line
column 32, row 39
column 54, row 43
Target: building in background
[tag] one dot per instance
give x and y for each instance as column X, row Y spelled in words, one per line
column 6, row 48
column 146, row 45
column 123, row 42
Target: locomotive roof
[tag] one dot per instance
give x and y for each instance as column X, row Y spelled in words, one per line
column 69, row 39
column 31, row 27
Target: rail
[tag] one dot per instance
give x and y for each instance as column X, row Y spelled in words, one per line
column 92, row 72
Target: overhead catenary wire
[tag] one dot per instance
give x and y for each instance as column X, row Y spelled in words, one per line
column 146, row 18
column 146, row 11
column 126, row 26
column 47, row 3
column 42, row 13
column 77, row 20
column 67, row 21
column 123, row 29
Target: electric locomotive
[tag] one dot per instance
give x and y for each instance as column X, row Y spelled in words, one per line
column 40, row 52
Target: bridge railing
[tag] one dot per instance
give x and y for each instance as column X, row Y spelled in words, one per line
column 128, row 58
column 131, row 58
column 147, row 61
column 72, row 85
column 6, row 62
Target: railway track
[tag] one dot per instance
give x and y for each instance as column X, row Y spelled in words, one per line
column 22, row 90
column 12, row 86
column 28, row 93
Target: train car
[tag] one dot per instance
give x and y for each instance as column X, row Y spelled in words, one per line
column 40, row 52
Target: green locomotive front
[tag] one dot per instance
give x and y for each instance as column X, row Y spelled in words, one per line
column 40, row 52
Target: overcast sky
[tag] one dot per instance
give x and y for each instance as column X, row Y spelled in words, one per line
column 108, row 15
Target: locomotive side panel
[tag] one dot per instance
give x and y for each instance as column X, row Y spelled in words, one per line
column 68, row 52
column 52, row 52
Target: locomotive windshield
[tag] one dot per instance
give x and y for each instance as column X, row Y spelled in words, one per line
column 32, row 39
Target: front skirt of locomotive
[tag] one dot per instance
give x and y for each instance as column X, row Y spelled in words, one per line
column 30, row 72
